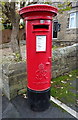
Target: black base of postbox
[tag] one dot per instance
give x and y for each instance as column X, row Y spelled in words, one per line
column 38, row 100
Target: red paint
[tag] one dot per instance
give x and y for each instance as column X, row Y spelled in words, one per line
column 38, row 27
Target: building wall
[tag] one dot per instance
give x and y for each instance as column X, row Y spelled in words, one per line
column 66, row 35
column 62, row 19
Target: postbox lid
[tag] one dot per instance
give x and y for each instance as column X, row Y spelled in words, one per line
column 38, row 7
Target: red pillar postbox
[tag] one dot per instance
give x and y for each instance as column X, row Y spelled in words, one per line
column 38, row 19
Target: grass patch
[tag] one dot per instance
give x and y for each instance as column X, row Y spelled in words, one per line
column 62, row 87
column 55, row 47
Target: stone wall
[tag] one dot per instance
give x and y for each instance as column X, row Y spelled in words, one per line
column 14, row 78
column 14, row 74
column 64, row 60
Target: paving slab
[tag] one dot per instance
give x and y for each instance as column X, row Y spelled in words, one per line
column 8, row 109
column 19, row 108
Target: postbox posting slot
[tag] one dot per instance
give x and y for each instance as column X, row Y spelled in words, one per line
column 40, row 27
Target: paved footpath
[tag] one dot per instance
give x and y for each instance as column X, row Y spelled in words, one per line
column 18, row 108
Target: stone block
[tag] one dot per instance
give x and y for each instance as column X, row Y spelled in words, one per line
column 14, row 79
column 11, row 69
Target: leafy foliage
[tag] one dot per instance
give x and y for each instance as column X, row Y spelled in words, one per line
column 65, row 6
column 17, row 57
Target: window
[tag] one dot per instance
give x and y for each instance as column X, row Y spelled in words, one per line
column 55, row 27
column 67, row 23
column 73, row 20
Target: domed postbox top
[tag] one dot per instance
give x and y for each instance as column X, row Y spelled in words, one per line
column 33, row 10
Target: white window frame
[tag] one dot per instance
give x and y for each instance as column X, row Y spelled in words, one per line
column 72, row 24
column 77, row 19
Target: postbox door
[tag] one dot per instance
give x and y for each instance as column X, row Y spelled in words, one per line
column 39, row 48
